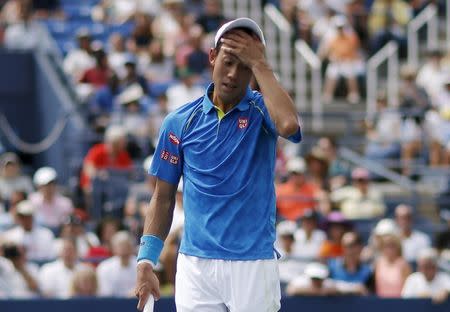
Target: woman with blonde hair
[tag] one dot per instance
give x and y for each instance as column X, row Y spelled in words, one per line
column 391, row 269
column 84, row 283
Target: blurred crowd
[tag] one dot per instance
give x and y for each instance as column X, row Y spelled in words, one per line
column 62, row 242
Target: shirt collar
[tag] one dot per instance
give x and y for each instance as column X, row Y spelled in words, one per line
column 243, row 105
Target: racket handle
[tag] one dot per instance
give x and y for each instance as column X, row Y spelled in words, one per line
column 149, row 304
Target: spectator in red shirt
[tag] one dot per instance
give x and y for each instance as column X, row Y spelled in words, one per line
column 98, row 75
column 111, row 154
column 297, row 194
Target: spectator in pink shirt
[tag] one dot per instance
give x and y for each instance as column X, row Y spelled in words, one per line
column 52, row 208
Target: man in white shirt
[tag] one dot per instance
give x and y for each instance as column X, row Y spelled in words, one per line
column 308, row 238
column 117, row 275
column 77, row 61
column 52, row 208
column 56, row 277
column 38, row 241
column 183, row 92
column 427, row 282
column 412, row 241
column 314, row 282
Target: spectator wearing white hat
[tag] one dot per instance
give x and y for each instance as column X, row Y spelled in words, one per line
column 11, row 179
column 359, row 200
column 384, row 227
column 309, row 238
column 37, row 240
column 111, row 154
column 55, row 277
column 51, row 206
column 297, row 194
column 117, row 275
column 313, row 282
column 427, row 282
column 413, row 241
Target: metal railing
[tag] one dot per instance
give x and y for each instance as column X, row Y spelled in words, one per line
column 306, row 59
column 243, row 8
column 429, row 18
column 388, row 53
column 278, row 33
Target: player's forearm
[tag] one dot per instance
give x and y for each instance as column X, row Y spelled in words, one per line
column 278, row 102
column 159, row 216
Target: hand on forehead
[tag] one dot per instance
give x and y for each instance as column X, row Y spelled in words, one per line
column 240, row 33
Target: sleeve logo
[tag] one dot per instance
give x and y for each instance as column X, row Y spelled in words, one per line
column 165, row 155
column 173, row 160
column 242, row 123
column 173, row 138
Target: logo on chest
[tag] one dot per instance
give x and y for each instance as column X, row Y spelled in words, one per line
column 242, row 122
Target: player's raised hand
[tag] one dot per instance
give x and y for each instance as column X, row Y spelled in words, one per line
column 147, row 284
column 248, row 48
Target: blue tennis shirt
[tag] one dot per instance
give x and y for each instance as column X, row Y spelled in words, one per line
column 228, row 167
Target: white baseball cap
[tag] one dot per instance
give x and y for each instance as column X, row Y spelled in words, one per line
column 286, row 228
column 243, row 22
column 316, row 270
column 25, row 208
column 386, row 227
column 44, row 176
column 296, row 164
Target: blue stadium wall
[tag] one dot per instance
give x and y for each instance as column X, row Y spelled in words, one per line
column 337, row 304
column 33, row 99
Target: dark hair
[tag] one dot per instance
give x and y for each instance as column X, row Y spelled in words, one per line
column 11, row 251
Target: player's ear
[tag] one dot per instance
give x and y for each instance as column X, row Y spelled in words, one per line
column 213, row 56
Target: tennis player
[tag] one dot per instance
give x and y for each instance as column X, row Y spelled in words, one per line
column 223, row 144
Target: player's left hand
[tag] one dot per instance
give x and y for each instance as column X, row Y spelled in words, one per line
column 247, row 48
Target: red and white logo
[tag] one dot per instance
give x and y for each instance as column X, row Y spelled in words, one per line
column 242, row 123
column 173, row 138
column 165, row 155
column 174, row 159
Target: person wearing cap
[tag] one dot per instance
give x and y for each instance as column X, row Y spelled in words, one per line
column 111, row 154
column 37, row 240
column 342, row 51
column 427, row 282
column 351, row 275
column 336, row 225
column 11, row 179
column 80, row 59
column 308, row 237
column 297, row 194
column 317, row 165
column 132, row 77
column 359, row 200
column 224, row 145
column 413, row 241
column 314, row 281
column 384, row 227
column 51, row 206
column 431, row 76
column 442, row 239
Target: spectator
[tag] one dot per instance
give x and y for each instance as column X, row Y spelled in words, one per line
column 105, row 230
column 184, row 91
column 114, row 11
column 117, row 275
column 387, row 21
column 51, row 207
column 414, row 100
column 8, row 219
column 349, row 273
column 111, row 154
column 297, row 194
column 384, row 132
column 7, row 279
column 336, row 226
column 78, row 60
column 317, row 167
column 117, row 54
column 360, row 200
column 38, row 241
column 55, row 277
column 391, row 269
column 384, row 227
column 47, row 8
column 338, row 171
column 11, row 179
column 74, row 228
column 413, row 241
column 97, row 76
column 197, row 59
column 212, row 17
column 84, row 283
column 104, row 101
column 132, row 76
column 442, row 240
column 26, row 34
column 308, row 238
column 431, row 75
column 322, row 27
column 166, row 25
column 10, row 11
column 25, row 281
column 342, row 50
column 427, row 282
column 289, row 265
column 141, row 35
column 314, row 282
column 156, row 67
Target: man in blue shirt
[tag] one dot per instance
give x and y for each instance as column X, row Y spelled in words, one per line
column 223, row 144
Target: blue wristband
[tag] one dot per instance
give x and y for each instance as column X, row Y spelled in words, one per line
column 150, row 248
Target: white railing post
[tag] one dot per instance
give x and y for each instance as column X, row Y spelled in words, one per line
column 305, row 57
column 256, row 11
column 388, row 53
column 427, row 17
column 229, row 8
column 241, row 8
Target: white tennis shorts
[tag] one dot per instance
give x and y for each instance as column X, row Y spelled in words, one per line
column 210, row 285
